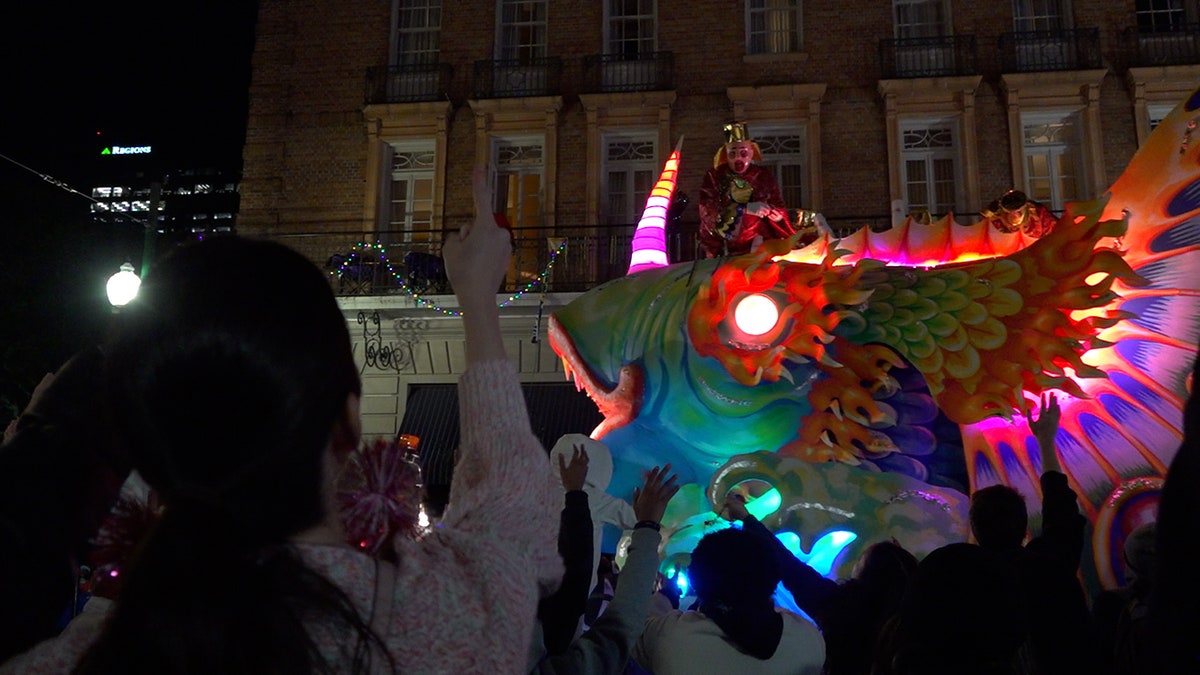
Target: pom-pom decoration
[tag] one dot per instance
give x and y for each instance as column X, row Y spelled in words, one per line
column 134, row 515
column 379, row 494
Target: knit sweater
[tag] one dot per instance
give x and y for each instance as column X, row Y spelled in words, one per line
column 465, row 596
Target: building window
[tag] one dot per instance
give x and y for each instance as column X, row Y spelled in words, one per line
column 522, row 30
column 1032, row 15
column 410, row 191
column 1051, row 145
column 418, row 31
column 1160, row 16
column 628, row 174
column 518, row 167
column 1158, row 112
column 629, row 27
column 773, row 26
column 921, row 18
column 785, row 153
column 929, row 157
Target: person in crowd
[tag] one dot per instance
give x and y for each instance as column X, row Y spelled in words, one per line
column 851, row 614
column 1048, row 565
column 606, row 510
column 60, row 472
column 735, row 626
column 740, row 202
column 239, row 400
column 1175, row 599
column 962, row 613
column 1120, row 615
column 605, row 647
column 559, row 614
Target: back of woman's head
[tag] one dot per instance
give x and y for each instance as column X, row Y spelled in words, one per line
column 229, row 373
column 230, row 369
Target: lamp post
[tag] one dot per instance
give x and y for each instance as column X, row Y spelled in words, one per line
column 123, row 286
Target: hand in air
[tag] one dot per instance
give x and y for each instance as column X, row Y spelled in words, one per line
column 477, row 255
column 574, row 473
column 650, row 501
column 1046, row 424
column 735, row 507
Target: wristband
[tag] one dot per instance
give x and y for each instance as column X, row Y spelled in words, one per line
column 651, row 524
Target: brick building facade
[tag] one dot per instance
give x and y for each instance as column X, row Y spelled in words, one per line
column 366, row 117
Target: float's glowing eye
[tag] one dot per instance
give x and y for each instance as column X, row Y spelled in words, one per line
column 756, row 314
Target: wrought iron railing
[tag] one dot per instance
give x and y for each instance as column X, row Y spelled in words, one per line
column 605, row 73
column 409, row 83
column 392, row 263
column 1174, row 47
column 928, row 57
column 1047, row 50
column 518, row 77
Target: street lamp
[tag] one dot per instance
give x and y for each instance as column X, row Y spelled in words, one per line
column 123, row 286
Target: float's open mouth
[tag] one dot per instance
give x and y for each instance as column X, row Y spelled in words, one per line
column 619, row 404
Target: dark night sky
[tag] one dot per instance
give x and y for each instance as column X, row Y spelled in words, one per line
column 169, row 74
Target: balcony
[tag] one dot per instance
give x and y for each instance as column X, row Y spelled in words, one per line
column 1048, row 50
column 944, row 56
column 409, row 83
column 518, row 77
column 1177, row 46
column 393, row 263
column 613, row 73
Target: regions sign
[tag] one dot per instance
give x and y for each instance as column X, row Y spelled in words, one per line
column 126, row 150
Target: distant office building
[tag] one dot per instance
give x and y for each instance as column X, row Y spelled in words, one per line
column 189, row 203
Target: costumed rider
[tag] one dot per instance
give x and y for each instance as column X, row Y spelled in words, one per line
column 1016, row 212
column 740, row 202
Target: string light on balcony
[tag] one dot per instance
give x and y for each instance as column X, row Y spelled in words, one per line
column 378, row 249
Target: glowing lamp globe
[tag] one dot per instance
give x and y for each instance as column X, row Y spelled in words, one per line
column 756, row 314
column 123, row 286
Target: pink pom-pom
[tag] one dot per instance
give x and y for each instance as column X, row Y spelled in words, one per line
column 379, row 493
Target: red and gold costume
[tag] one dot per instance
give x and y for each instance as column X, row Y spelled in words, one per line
column 732, row 191
column 1015, row 212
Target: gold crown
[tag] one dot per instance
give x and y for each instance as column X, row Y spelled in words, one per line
column 736, row 132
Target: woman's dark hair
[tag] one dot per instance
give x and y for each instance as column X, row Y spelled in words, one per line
column 734, row 574
column 228, row 374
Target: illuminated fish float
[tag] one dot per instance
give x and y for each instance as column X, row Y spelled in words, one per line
column 865, row 385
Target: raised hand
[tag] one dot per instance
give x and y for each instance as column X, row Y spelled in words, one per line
column 477, row 255
column 735, row 507
column 574, row 474
column 650, row 501
column 1044, row 428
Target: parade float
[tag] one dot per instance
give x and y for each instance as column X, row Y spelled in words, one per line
column 859, row 389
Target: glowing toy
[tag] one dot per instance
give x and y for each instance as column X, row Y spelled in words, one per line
column 884, row 381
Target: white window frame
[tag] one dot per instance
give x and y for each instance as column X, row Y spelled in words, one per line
column 774, row 26
column 516, row 156
column 519, row 38
column 1157, row 112
column 1070, row 144
column 930, row 152
column 617, row 25
column 634, row 155
column 1176, row 13
column 785, row 147
column 1035, row 15
column 912, row 18
column 419, row 163
column 416, row 32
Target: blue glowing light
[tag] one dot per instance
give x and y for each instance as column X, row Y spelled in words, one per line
column 824, row 553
